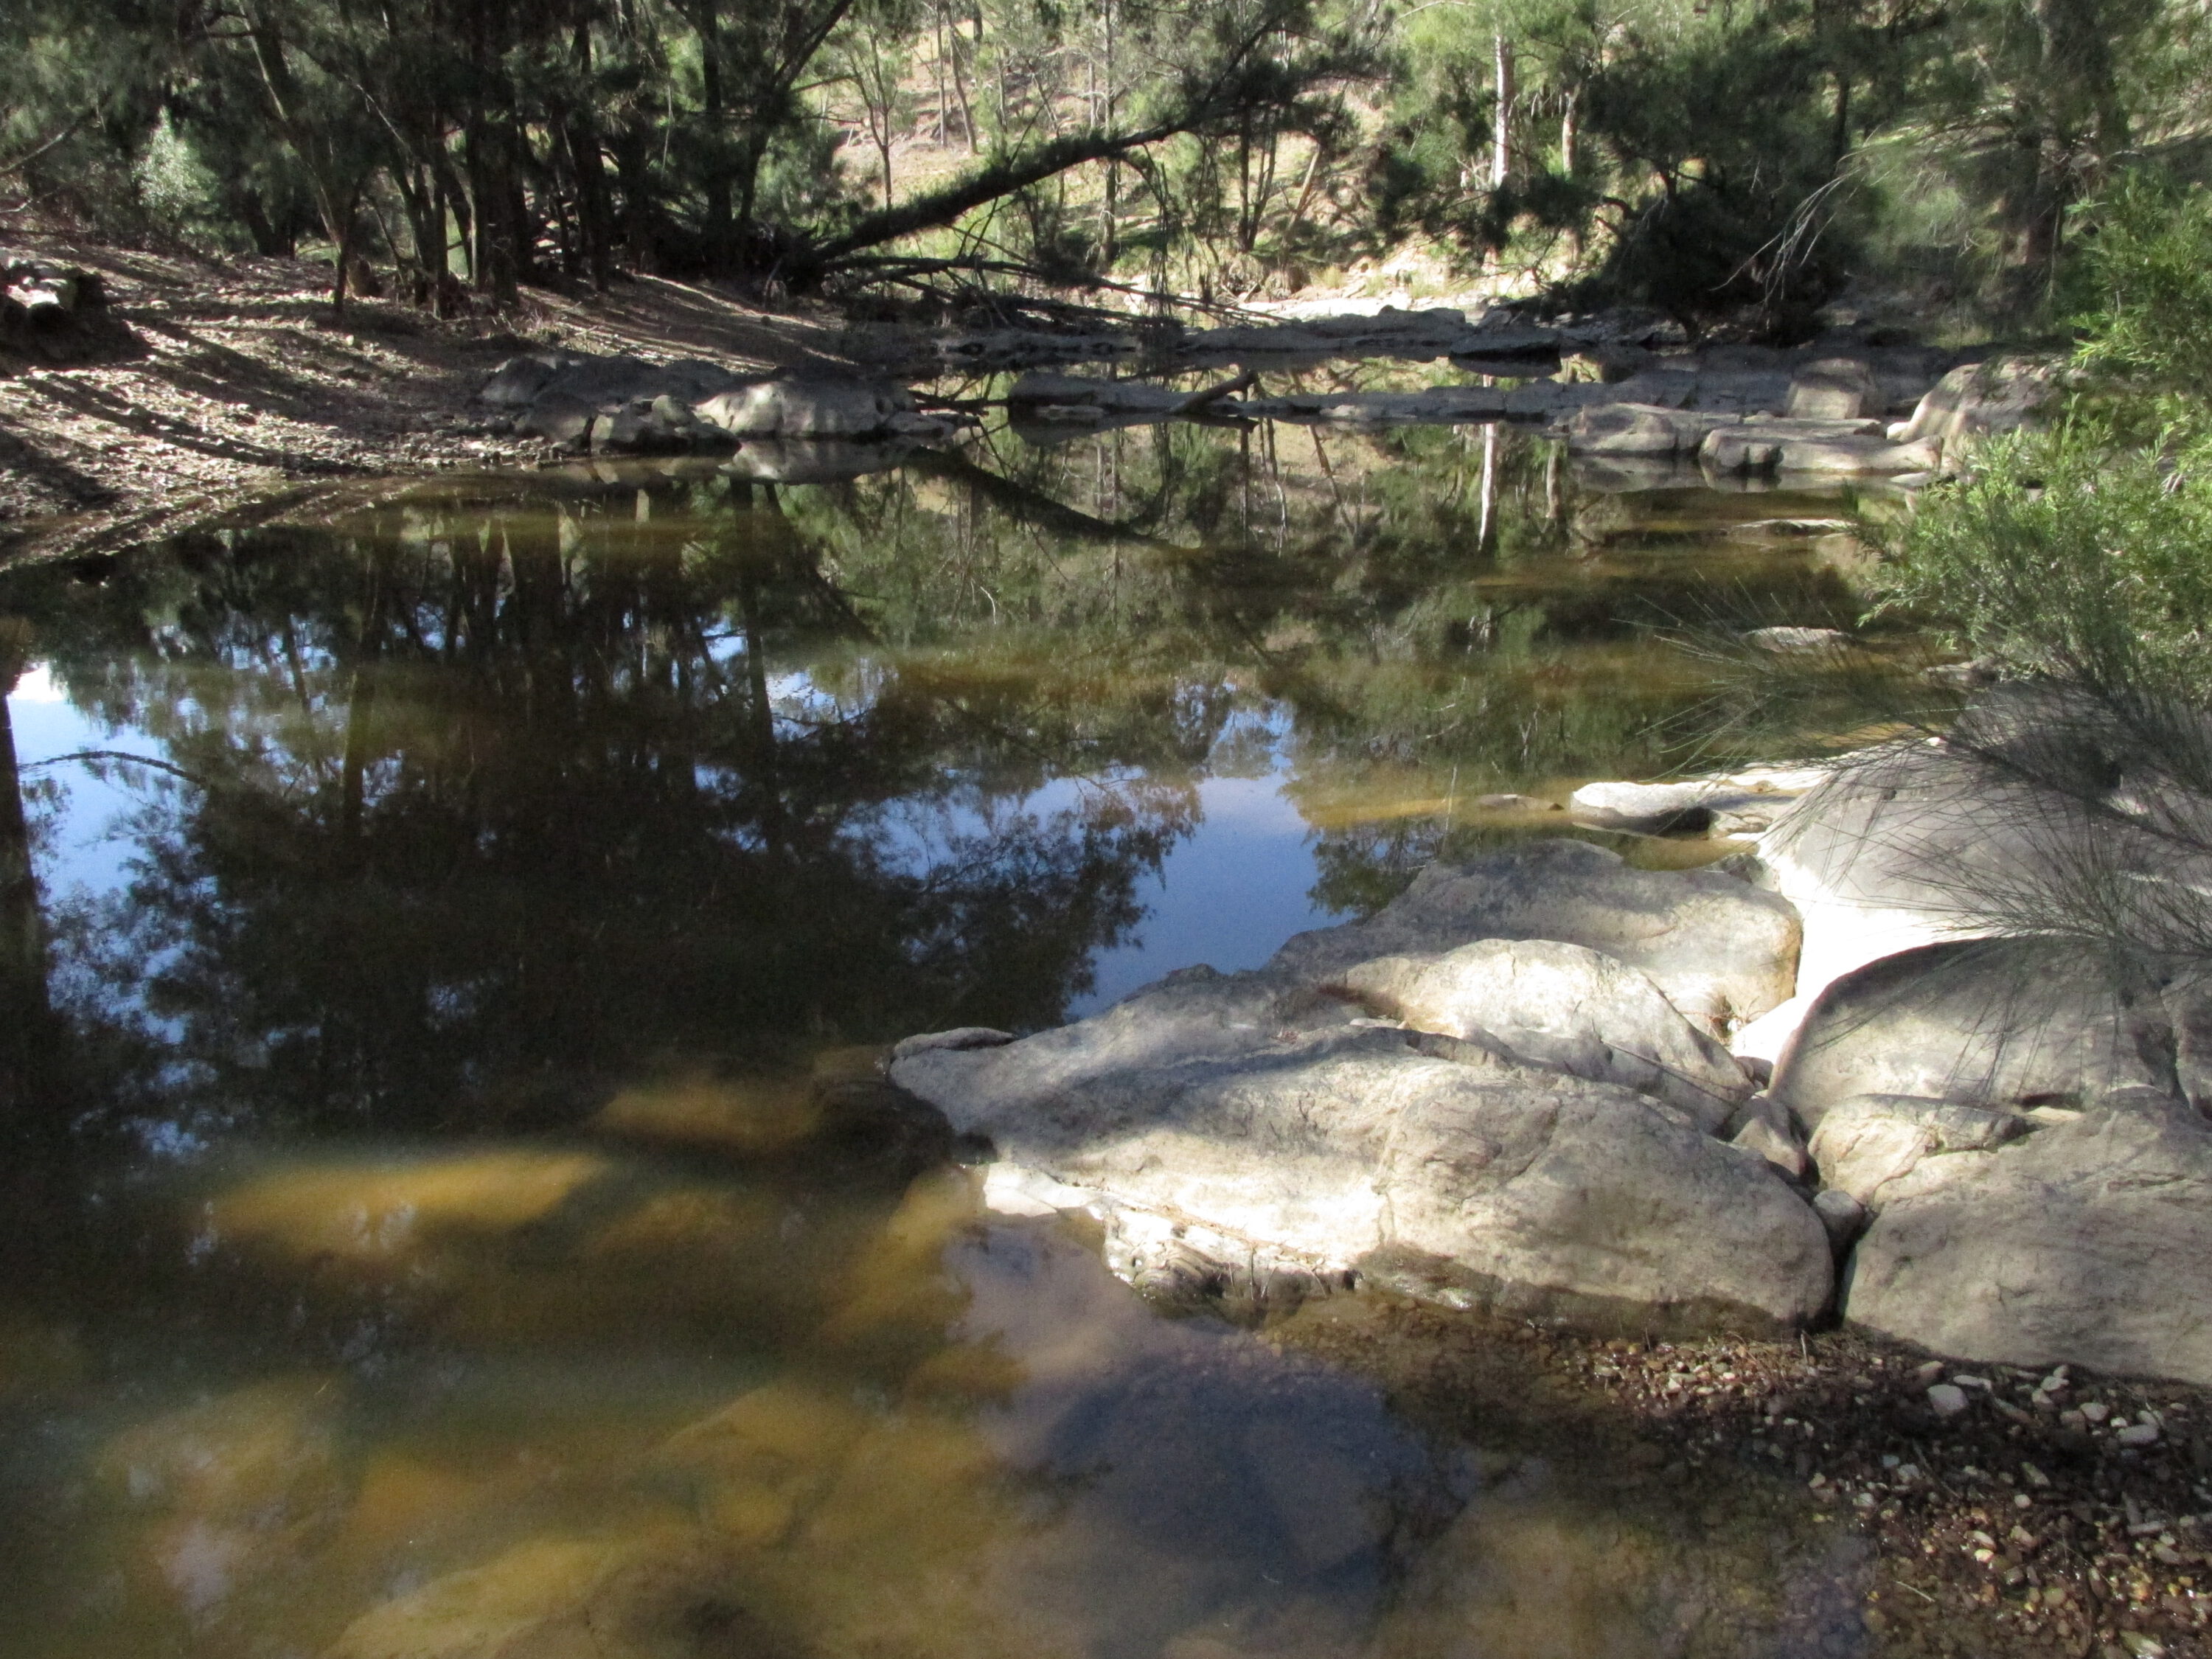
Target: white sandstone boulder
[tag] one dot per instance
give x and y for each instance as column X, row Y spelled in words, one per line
column 1241, row 1119
column 1721, row 951
column 2082, row 1244
column 1562, row 1006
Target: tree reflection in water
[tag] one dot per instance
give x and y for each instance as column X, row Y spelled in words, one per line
column 615, row 803
column 498, row 794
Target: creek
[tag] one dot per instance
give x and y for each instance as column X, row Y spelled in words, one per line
column 458, row 1214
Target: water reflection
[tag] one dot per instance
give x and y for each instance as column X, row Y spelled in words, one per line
column 964, row 1438
column 455, row 1207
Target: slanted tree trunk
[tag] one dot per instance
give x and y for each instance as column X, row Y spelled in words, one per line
column 335, row 186
column 1002, row 178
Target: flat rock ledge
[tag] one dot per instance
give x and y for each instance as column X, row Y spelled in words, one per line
column 625, row 405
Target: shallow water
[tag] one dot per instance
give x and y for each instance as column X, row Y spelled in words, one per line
column 453, row 1210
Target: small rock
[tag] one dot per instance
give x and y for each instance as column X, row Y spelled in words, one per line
column 960, row 1038
column 1765, row 1129
column 2137, row 1434
column 1946, row 1399
column 1844, row 1217
column 1798, row 641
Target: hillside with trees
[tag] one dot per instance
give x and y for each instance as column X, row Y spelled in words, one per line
column 1720, row 161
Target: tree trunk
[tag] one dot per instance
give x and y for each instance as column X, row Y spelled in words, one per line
column 1486, row 535
column 633, row 161
column 1502, row 117
column 335, row 198
column 581, row 134
column 706, row 23
column 1001, row 179
column 960, row 85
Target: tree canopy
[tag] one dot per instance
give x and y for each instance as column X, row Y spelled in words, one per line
column 1703, row 157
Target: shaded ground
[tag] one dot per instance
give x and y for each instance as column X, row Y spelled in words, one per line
column 2007, row 1529
column 224, row 380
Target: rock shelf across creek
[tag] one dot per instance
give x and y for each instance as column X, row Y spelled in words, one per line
column 1846, row 406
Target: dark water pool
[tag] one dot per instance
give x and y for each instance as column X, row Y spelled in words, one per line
column 450, row 1211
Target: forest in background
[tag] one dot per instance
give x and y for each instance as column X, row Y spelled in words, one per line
column 1718, row 159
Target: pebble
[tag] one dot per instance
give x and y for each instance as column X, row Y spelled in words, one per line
column 1947, row 1399
column 2138, row 1434
column 2095, row 1410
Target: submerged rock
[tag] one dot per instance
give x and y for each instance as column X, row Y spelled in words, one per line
column 660, row 1593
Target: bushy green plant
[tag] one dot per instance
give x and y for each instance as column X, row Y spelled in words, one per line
column 2078, row 560
column 2142, row 283
column 2064, row 556
column 180, row 192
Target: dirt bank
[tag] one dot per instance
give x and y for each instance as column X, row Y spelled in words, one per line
column 220, row 381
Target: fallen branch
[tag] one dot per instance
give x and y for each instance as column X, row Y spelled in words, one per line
column 1198, row 402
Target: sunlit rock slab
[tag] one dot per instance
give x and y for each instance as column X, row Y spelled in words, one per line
column 1291, row 1134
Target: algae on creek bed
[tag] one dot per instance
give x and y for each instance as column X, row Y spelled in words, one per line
column 459, row 1035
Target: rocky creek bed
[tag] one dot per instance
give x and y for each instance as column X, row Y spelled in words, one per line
column 1995, row 1529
